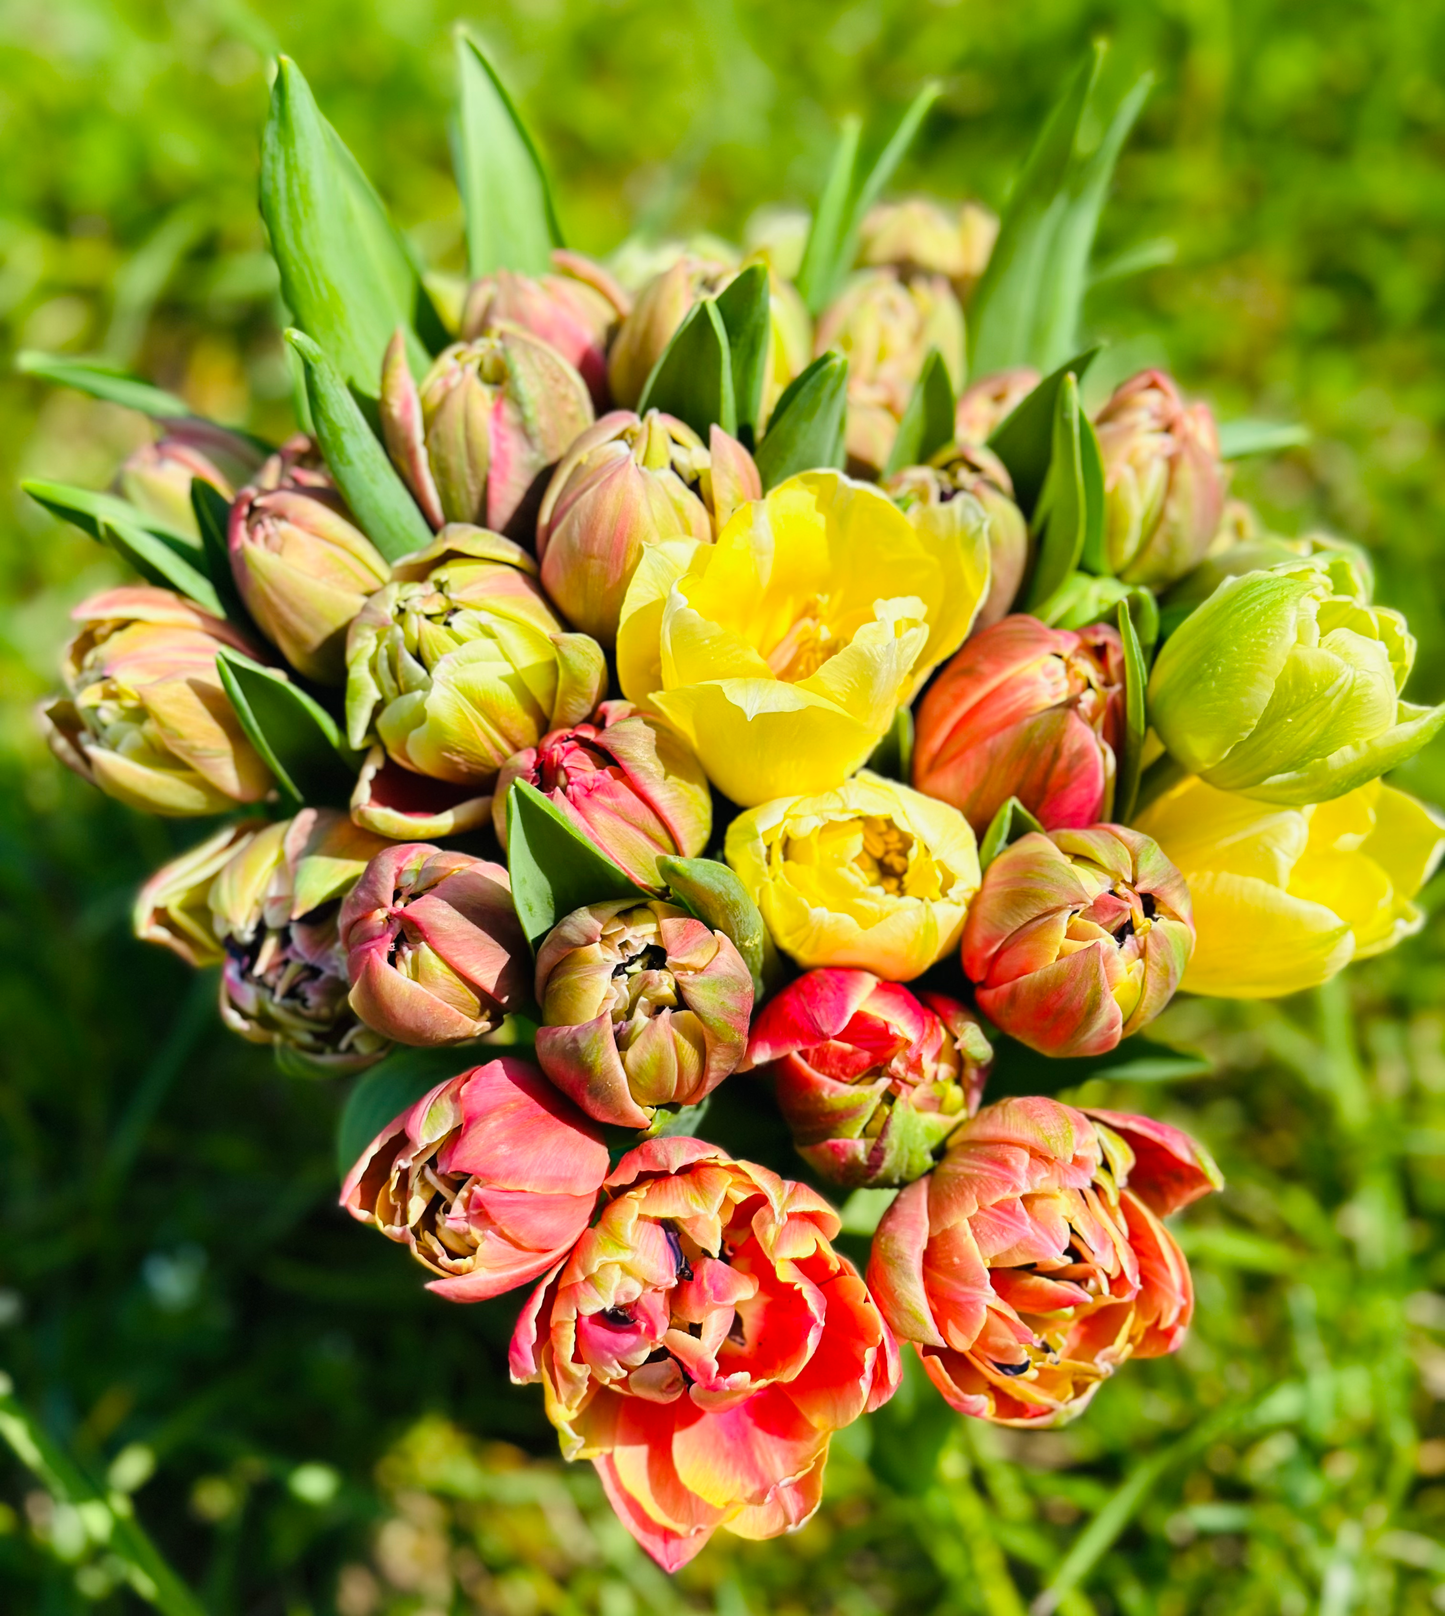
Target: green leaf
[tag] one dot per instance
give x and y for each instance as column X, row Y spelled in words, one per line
column 347, row 274
column 297, row 738
column 554, row 867
column 1237, row 439
column 511, row 222
column 1096, row 556
column 927, row 423
column 1144, row 609
column 162, row 563
column 1027, row 308
column 1024, row 439
column 1007, row 825
column 212, row 518
column 1017, row 1069
column 91, row 511
column 879, row 175
column 710, row 890
column 1136, row 678
column 100, row 380
column 693, row 377
column 806, row 429
column 368, row 481
column 825, row 235
column 744, row 305
column 392, row 1086
column 1062, row 513
column 893, row 755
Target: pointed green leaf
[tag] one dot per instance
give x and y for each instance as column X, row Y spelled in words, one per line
column 1136, row 678
column 1010, row 822
column 347, row 275
column 806, row 429
column 927, row 423
column 1144, row 610
column 297, row 738
column 820, row 255
column 554, row 867
column 1061, row 515
column 511, row 222
column 693, row 378
column 368, row 481
column 744, row 305
column 710, row 890
column 392, row 1086
column 1096, row 555
column 100, row 380
column 162, row 563
column 91, row 511
column 879, row 175
column 212, row 518
column 1238, row 439
column 1024, row 439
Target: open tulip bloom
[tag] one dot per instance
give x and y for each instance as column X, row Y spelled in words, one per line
column 653, row 692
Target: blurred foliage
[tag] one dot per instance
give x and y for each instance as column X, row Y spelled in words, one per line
column 181, row 1303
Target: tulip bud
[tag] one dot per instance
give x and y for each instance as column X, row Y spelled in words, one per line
column 1164, row 481
column 1078, row 938
column 145, row 716
column 575, row 310
column 490, row 1180
column 1284, row 685
column 1029, row 712
column 624, row 484
column 475, row 441
column 885, row 327
column 987, row 403
column 952, row 492
column 157, row 477
column 920, row 237
column 870, row 1080
column 642, row 1006
column 660, row 307
column 1033, row 1262
column 274, row 908
column 301, row 565
column 459, row 663
column 626, row 780
column 434, row 949
column 173, row 908
column 407, row 807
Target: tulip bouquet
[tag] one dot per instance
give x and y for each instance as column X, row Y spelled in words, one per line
column 646, row 701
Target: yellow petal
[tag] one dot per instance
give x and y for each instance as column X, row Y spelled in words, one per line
column 639, row 631
column 1255, row 942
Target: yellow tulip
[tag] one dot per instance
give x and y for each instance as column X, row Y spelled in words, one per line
column 782, row 651
column 872, row 875
column 1285, row 897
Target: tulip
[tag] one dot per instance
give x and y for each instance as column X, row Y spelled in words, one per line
column 173, row 908
column 984, row 405
column 145, row 716
column 302, row 566
column 870, row 1080
column 885, row 327
column 1286, row 897
column 575, row 310
column 475, row 441
column 872, row 876
column 920, row 237
column 627, row 783
column 700, row 1346
column 1164, row 481
column 1077, row 938
column 1033, row 1261
column 642, row 1006
column 624, row 484
column 1242, row 545
column 157, row 477
column 490, row 1180
column 460, row 663
column 434, row 950
column 1029, row 712
column 274, row 907
column 1284, row 686
column 408, row 807
column 778, row 658
column 951, row 494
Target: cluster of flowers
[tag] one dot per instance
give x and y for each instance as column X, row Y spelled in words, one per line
column 647, row 640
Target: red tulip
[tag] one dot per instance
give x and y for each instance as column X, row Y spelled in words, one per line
column 871, row 1080
column 1029, row 712
column 1032, row 1262
column 700, row 1346
column 490, row 1179
column 1078, row 938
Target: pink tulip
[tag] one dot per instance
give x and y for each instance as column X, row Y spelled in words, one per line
column 700, row 1346
column 434, row 950
column 490, row 1179
column 871, row 1080
column 1078, row 938
column 1032, row 1262
column 987, row 403
column 1029, row 712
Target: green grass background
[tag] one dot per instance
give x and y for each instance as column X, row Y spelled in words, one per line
column 176, row 1283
